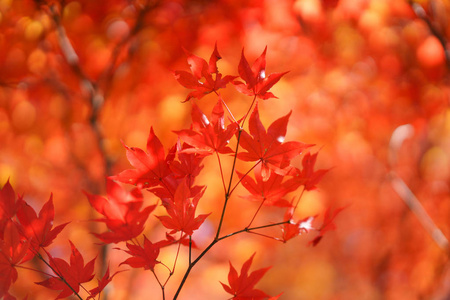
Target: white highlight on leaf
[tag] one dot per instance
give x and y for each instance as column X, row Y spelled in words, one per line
column 280, row 138
column 262, row 74
column 205, row 120
column 307, row 224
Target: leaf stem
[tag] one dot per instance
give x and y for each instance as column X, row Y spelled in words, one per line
column 246, row 229
column 191, row 265
column 237, row 184
column 31, row 269
column 221, row 172
column 257, row 211
column 176, row 257
column 227, row 193
column 249, row 109
column 160, row 284
column 299, row 198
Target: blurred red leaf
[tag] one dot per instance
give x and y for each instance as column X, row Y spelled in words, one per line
column 13, row 248
column 122, row 212
column 8, row 205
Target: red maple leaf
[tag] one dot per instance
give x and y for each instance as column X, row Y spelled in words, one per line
column 122, row 213
column 13, row 250
column 293, row 229
column 181, row 211
column 39, row 228
column 74, row 273
column 270, row 191
column 268, row 147
column 256, row 82
column 307, row 176
column 152, row 169
column 242, row 286
column 207, row 136
column 188, row 164
column 142, row 257
column 201, row 70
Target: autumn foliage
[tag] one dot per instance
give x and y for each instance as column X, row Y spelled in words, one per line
column 172, row 177
column 176, row 149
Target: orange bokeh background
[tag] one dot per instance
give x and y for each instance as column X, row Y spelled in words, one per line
column 360, row 70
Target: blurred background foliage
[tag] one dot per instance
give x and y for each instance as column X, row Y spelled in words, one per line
column 368, row 84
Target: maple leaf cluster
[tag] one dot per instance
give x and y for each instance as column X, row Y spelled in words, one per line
column 171, row 176
column 25, row 234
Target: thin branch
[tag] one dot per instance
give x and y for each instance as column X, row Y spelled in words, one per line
column 418, row 210
column 245, row 175
column 221, row 172
column 257, row 211
column 401, row 188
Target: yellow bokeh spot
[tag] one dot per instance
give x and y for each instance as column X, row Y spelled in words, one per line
column 71, row 10
column 310, row 10
column 33, row 30
column 172, row 106
column 435, row 164
column 370, row 20
column 137, row 138
column 311, row 204
column 315, row 279
column 46, row 21
column 37, row 61
column 7, row 172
